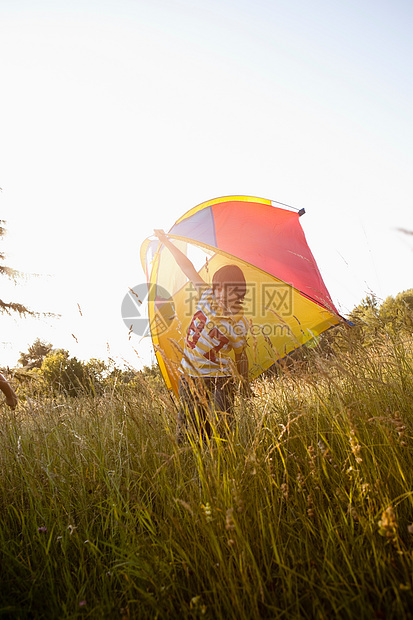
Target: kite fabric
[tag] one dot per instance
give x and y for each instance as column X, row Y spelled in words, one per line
column 287, row 303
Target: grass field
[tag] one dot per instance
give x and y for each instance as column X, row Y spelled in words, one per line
column 306, row 511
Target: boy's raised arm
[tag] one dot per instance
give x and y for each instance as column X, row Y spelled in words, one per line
column 182, row 261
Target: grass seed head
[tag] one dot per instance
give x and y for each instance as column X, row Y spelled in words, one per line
column 207, row 510
column 388, row 524
column 229, row 521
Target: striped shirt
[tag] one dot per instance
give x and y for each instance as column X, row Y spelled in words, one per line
column 210, row 339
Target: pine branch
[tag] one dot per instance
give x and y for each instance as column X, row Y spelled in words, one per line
column 13, row 274
column 11, row 307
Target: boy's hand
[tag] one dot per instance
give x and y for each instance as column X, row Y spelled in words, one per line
column 181, row 259
column 12, row 400
column 161, row 235
column 11, row 397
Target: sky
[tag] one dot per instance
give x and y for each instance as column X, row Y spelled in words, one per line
column 118, row 116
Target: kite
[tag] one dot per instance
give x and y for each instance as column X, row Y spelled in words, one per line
column 287, row 303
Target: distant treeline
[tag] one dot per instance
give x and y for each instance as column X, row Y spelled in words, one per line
column 53, row 371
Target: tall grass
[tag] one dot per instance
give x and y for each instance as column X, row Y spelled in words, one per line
column 305, row 511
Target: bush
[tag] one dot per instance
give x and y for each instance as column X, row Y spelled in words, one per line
column 65, row 374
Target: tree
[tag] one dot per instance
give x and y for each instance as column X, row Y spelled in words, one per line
column 152, row 375
column 70, row 376
column 35, row 354
column 13, row 274
column 366, row 312
column 397, row 312
column 63, row 373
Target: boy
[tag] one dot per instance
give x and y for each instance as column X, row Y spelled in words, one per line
column 218, row 327
column 11, row 397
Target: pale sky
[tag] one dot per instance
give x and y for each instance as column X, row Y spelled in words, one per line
column 118, row 116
